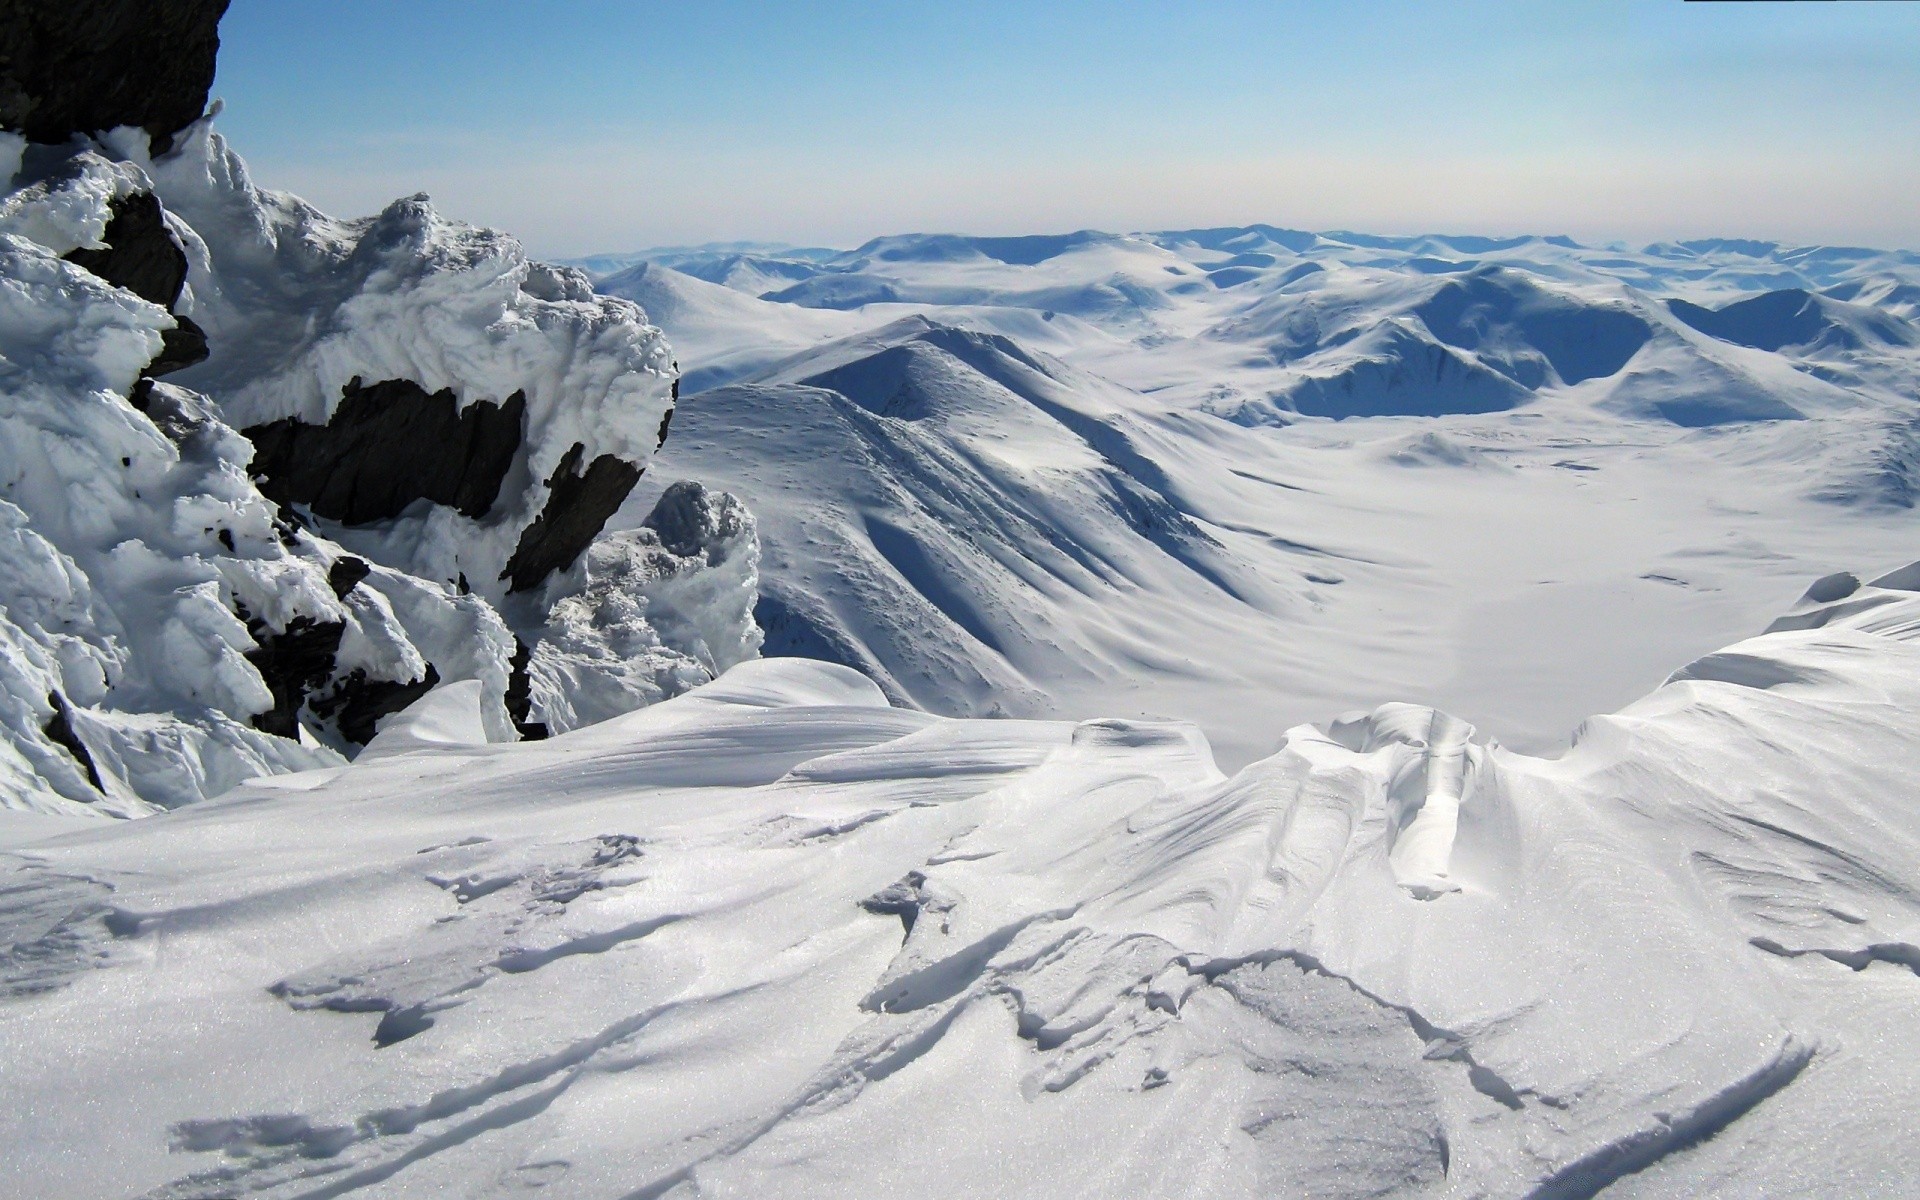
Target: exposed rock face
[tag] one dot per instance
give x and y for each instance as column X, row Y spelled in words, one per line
column 358, row 703
column 294, row 663
column 68, row 68
column 520, row 695
column 142, row 256
column 59, row 730
column 346, row 573
column 299, row 666
column 387, row 446
column 577, row 510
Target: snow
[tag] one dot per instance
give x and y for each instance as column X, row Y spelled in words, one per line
column 297, row 304
column 666, row 608
column 1063, row 846
column 809, row 943
column 148, row 582
column 1128, row 505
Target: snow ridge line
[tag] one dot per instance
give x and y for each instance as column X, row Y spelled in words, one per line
column 1443, row 1045
column 1899, row 954
column 1600, row 1169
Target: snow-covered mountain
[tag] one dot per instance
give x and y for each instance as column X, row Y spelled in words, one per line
column 1256, row 477
column 412, row 592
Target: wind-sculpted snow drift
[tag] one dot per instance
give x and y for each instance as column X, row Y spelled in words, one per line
column 775, row 937
column 436, row 431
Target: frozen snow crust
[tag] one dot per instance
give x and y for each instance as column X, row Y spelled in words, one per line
column 166, row 630
column 777, row 938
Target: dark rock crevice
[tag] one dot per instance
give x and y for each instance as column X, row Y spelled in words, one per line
column 68, row 67
column 519, row 697
column 386, row 446
column 142, row 256
column 358, row 703
column 577, row 509
column 59, row 730
column 298, row 665
column 294, row 663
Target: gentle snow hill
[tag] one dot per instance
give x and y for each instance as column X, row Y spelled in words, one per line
column 774, row 937
column 1546, row 486
column 958, row 517
column 706, row 319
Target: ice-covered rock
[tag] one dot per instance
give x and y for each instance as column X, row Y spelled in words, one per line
column 666, row 607
column 177, row 610
column 405, row 358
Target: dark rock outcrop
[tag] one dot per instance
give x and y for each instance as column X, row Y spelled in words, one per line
column 85, row 66
column 295, row 663
column 357, row 705
column 142, row 256
column 578, row 506
column 346, row 573
column 387, row 446
column 298, row 665
column 59, row 730
column 519, row 696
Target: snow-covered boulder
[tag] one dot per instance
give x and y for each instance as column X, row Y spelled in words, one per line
column 666, row 607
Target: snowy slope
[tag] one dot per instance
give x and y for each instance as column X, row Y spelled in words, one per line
column 775, row 937
column 1517, row 478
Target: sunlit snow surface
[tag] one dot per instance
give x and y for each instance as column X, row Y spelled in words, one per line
column 778, row 938
column 1255, row 477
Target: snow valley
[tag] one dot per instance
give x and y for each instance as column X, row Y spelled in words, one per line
column 1254, row 477
column 1212, row 712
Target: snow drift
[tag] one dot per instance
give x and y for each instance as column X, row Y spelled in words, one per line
column 796, row 928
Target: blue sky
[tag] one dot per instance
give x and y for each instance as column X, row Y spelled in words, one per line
column 594, row 125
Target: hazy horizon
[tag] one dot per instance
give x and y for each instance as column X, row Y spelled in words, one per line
column 605, row 127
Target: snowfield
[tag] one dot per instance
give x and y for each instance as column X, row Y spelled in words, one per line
column 1254, row 477
column 778, row 937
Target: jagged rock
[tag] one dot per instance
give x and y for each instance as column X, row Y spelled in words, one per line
column 387, row 446
column 68, row 68
column 520, row 694
column 142, row 256
column 59, row 730
column 294, row 662
column 346, row 573
column 180, row 347
column 358, row 703
column 577, row 509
